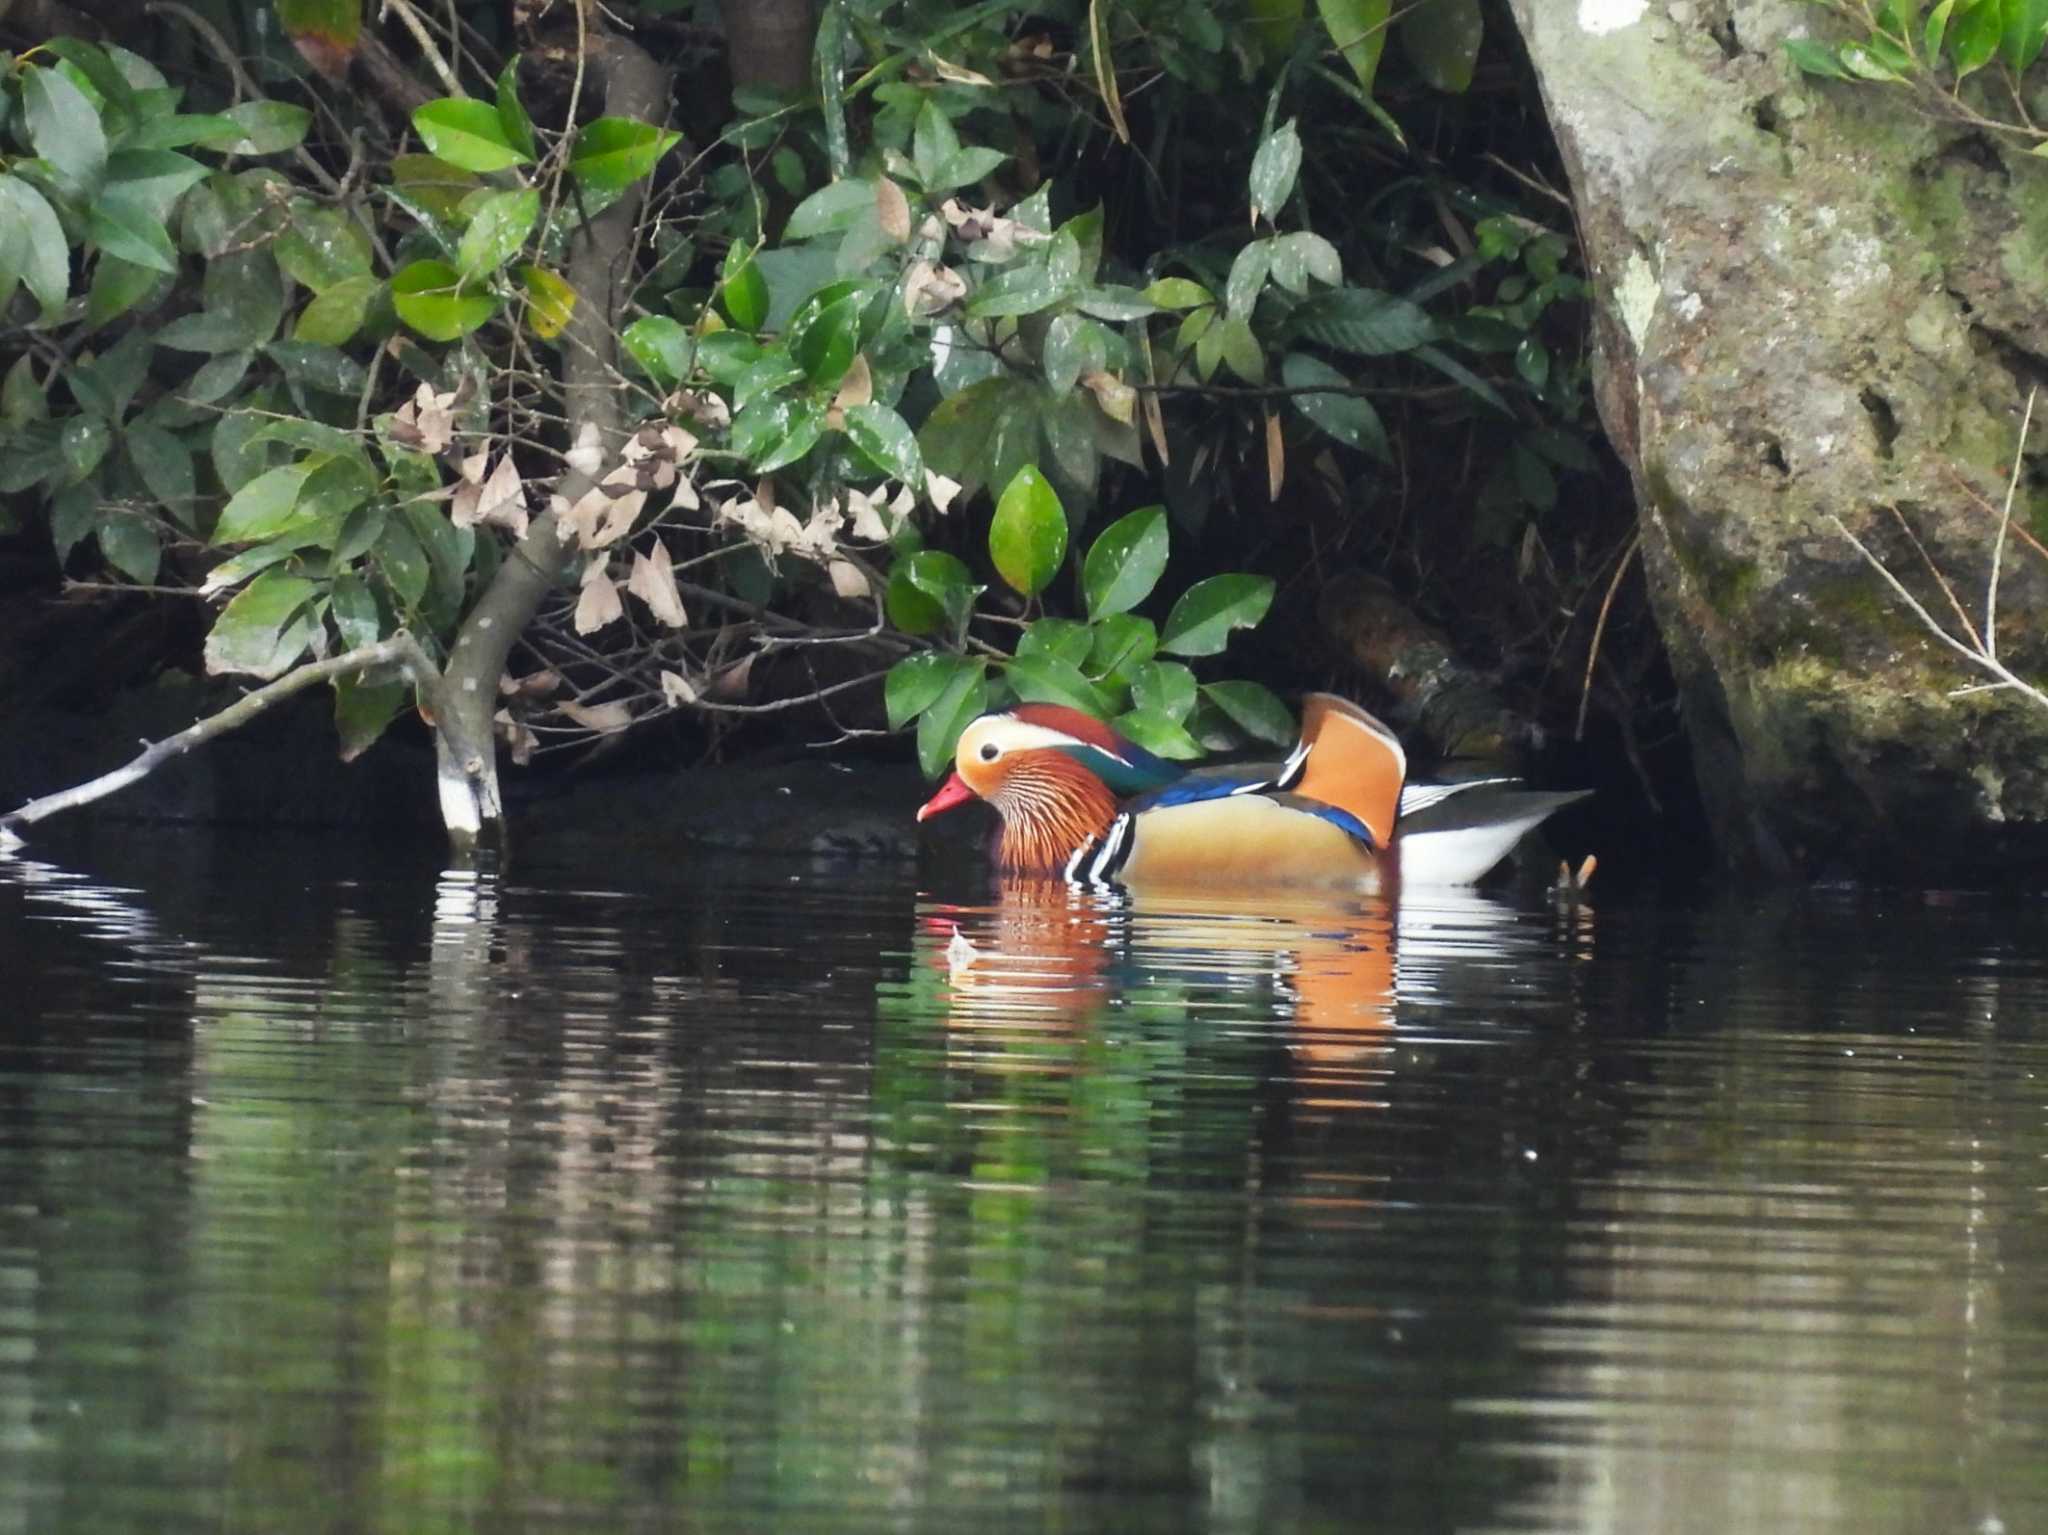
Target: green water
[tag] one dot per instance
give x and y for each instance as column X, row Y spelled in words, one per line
column 340, row 1195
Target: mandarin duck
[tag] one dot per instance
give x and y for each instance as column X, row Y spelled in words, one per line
column 1079, row 801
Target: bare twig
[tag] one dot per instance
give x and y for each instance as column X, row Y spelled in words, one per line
column 2012, row 486
column 401, row 650
column 1600, row 628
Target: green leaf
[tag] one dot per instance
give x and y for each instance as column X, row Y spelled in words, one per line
column 131, row 546
column 117, row 287
column 30, row 233
column 726, row 355
column 823, row 338
column 918, row 681
column 1125, row 562
column 1814, row 57
column 1299, row 256
column 165, row 466
column 1937, row 26
column 614, row 152
column 1027, row 539
column 1247, row 276
column 512, row 119
column 1441, row 40
column 1177, row 293
column 1365, row 322
column 884, row 440
column 2026, row 25
column 1123, row 643
column 336, row 314
column 353, row 608
column 428, row 297
column 1255, row 710
column 497, row 229
column 324, row 31
column 175, row 132
column 122, row 228
column 1348, row 418
column 776, row 430
column 1048, row 680
column 743, row 291
column 468, row 134
column 933, row 143
column 363, row 710
column 1021, row 291
column 1074, row 345
column 1160, row 734
column 928, row 591
column 964, row 166
column 64, row 128
column 265, row 629
column 938, row 730
column 403, row 564
column 23, row 396
column 265, row 507
column 1241, row 349
column 1063, row 639
column 1164, row 687
column 321, row 247
column 830, row 209
column 268, row 127
column 661, row 346
column 1975, row 37
column 1201, row 622
column 83, row 442
column 1274, row 168
column 1358, row 28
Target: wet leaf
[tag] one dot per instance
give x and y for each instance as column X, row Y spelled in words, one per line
column 918, row 681
column 512, row 118
column 1047, row 680
column 964, row 700
column 928, row 591
column 1122, row 644
column 614, row 152
column 263, row 508
column 884, row 439
column 497, row 229
column 1160, row 734
column 1063, row 639
column 1125, row 562
column 322, row 247
column 661, row 347
column 337, row 314
column 743, row 291
column 268, row 127
column 1027, row 539
column 1164, row 687
column 1201, row 622
column 468, row 134
column 1274, row 168
column 1348, row 418
column 832, row 208
column 428, row 297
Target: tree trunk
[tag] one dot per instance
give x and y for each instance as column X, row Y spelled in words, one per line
column 770, row 42
column 1815, row 301
column 600, row 269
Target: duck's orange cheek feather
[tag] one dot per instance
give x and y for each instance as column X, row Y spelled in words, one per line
column 953, row 791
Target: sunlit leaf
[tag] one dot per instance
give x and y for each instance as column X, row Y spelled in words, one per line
column 614, row 152
column 964, row 700
column 1160, row 734
column 884, row 439
column 335, row 315
column 1027, row 539
column 928, row 591
column 1164, row 687
column 1063, row 639
column 428, row 297
column 553, row 300
column 497, row 228
column 918, row 681
column 512, row 118
column 1358, row 28
column 661, row 346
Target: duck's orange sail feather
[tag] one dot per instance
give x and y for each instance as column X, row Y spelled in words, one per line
column 1353, row 762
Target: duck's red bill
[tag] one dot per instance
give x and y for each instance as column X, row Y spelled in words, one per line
column 953, row 791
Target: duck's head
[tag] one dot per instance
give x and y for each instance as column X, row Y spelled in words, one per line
column 1053, row 774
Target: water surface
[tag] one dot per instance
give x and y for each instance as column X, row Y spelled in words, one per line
column 338, row 1193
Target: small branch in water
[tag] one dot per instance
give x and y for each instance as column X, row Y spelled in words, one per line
column 401, row 650
column 1600, row 628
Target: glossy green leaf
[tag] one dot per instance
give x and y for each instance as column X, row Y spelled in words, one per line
column 33, row 249
column 918, row 681
column 661, row 346
column 512, row 118
column 1358, row 28
column 1364, row 322
column 1125, row 562
column 1347, row 417
column 743, row 291
column 1247, row 276
column 335, row 315
column 64, row 128
column 268, row 127
column 964, row 700
column 1255, row 710
column 403, row 565
column 1274, row 168
column 132, row 233
column 1063, row 639
column 1164, row 687
column 775, row 431
column 2026, row 25
column 963, row 167
column 928, row 591
column 726, row 355
column 1027, row 539
column 83, row 442
column 265, row 507
column 468, row 134
column 428, row 297
column 614, row 152
column 933, row 142
column 1047, row 680
column 831, row 209
column 1975, row 36
column 1160, row 734
column 823, row 339
column 1201, row 622
column 884, row 440
column 1123, row 643
column 497, row 229
column 177, row 130
column 1021, row 291
column 131, row 546
column 1811, row 56
column 1299, row 256
column 265, row 629
column 1074, row 345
